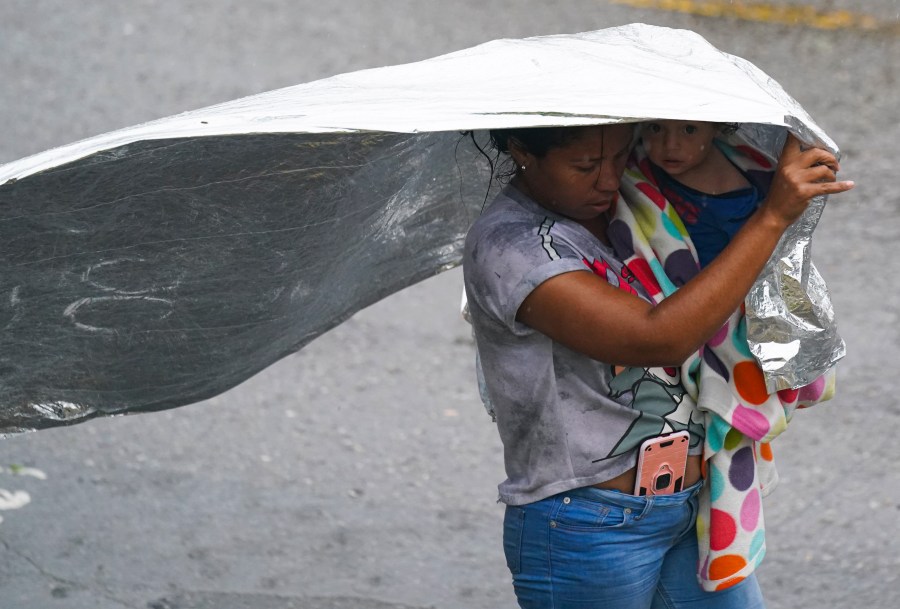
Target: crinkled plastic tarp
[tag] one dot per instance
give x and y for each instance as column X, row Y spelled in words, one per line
column 162, row 264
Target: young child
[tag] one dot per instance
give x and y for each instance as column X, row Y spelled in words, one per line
column 712, row 195
column 713, row 181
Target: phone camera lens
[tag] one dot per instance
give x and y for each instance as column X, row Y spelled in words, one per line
column 663, row 481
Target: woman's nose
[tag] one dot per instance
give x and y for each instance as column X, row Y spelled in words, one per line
column 608, row 179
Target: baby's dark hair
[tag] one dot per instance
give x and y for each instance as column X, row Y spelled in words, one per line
column 729, row 128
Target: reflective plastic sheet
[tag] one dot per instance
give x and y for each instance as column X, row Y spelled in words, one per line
column 153, row 277
column 162, row 264
column 790, row 320
column 791, row 327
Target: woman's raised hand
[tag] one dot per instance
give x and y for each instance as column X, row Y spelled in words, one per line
column 800, row 176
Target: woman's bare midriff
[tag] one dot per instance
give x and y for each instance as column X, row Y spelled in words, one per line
column 625, row 482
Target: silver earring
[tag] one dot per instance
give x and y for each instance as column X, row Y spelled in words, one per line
column 523, row 167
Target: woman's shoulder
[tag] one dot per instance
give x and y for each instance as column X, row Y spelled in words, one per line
column 514, row 233
column 506, row 218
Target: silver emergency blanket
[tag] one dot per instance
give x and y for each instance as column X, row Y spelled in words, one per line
column 165, row 263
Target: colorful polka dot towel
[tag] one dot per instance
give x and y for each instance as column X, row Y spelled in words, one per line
column 741, row 417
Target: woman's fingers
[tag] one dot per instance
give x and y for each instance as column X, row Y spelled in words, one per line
column 833, row 188
column 793, row 153
column 801, row 176
column 813, row 166
column 821, row 177
column 820, row 173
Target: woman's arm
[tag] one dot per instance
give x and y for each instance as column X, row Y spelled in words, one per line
column 583, row 312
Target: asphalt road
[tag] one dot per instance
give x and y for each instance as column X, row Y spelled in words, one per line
column 361, row 472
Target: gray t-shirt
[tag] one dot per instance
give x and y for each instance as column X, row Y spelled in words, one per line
column 565, row 420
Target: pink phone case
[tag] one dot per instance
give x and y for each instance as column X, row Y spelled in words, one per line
column 661, row 464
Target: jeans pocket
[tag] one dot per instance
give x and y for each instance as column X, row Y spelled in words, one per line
column 577, row 514
column 513, row 526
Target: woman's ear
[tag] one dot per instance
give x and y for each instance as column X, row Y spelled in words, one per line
column 518, row 152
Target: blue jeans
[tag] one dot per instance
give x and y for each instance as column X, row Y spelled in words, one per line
column 593, row 548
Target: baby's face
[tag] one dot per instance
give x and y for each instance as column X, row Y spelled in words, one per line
column 678, row 146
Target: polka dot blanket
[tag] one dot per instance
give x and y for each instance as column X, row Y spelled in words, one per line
column 741, row 417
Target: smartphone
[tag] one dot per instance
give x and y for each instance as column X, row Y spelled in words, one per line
column 661, row 464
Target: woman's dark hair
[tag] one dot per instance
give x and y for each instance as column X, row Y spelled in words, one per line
column 536, row 140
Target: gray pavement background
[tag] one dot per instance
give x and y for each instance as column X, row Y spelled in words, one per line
column 362, row 472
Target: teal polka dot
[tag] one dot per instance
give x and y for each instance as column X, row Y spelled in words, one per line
column 740, row 338
column 717, row 483
column 670, row 228
column 676, row 222
column 667, row 286
column 695, row 366
column 716, row 432
column 758, row 546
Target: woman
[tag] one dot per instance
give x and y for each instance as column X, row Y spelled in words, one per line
column 580, row 368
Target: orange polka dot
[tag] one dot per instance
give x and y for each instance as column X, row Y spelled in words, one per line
column 726, row 566
column 750, row 384
column 765, row 450
column 734, row 581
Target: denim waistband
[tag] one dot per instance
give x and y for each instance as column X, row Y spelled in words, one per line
column 632, row 501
